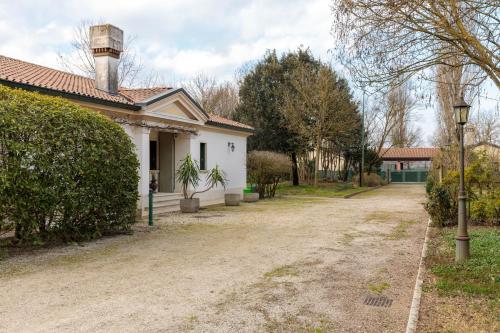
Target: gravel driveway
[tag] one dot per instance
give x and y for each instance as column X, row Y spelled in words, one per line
column 283, row 265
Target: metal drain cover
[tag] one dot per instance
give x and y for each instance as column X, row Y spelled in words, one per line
column 378, row 301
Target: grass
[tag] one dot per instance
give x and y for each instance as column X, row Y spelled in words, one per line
column 286, row 270
column 479, row 276
column 462, row 297
column 400, row 231
column 378, row 288
column 328, row 190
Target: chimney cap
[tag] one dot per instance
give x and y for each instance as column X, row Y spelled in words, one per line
column 106, row 36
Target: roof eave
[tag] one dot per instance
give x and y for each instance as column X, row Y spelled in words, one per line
column 83, row 98
column 231, row 127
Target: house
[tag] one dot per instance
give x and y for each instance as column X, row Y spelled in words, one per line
column 407, row 165
column 165, row 124
column 407, row 158
column 489, row 149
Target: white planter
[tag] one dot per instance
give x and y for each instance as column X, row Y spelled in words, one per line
column 232, row 199
column 250, row 197
column 190, row 205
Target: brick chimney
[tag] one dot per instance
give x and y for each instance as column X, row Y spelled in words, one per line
column 106, row 42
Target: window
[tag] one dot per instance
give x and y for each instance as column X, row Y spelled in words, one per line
column 203, row 156
column 153, row 155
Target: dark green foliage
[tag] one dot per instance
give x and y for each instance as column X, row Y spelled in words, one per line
column 66, row 172
column 373, row 162
column 441, row 206
column 261, row 96
column 429, row 184
column 262, row 92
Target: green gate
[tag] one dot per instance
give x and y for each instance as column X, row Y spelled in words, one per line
column 409, row 176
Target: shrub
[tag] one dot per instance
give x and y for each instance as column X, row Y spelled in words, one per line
column 370, row 180
column 485, row 210
column 266, row 169
column 481, row 181
column 429, row 184
column 66, row 172
column 441, row 206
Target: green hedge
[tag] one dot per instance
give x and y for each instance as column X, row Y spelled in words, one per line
column 66, row 172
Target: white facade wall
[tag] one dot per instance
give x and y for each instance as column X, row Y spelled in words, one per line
column 140, row 138
column 233, row 163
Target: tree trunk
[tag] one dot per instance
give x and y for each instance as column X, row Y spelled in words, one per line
column 316, row 164
column 295, row 170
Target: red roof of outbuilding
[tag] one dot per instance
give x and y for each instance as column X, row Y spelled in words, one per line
column 409, row 153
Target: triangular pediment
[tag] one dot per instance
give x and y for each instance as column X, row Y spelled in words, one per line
column 177, row 106
column 176, row 109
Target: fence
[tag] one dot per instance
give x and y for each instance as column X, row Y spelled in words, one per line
column 407, row 176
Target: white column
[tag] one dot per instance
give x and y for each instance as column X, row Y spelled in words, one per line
column 141, row 140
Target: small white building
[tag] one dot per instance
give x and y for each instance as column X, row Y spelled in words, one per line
column 165, row 124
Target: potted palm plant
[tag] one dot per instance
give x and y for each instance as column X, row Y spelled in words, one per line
column 188, row 174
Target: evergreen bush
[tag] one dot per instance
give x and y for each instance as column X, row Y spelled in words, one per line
column 66, row 172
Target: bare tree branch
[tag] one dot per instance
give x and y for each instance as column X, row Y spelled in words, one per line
column 385, row 43
column 131, row 70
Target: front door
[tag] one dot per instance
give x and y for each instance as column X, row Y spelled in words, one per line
column 167, row 171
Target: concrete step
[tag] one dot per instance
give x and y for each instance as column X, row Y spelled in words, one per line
column 166, row 209
column 160, row 199
column 157, row 197
column 165, row 203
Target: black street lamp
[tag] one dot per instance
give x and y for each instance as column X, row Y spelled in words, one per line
column 461, row 110
column 362, row 163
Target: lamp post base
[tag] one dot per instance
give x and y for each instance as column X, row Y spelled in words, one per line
column 462, row 249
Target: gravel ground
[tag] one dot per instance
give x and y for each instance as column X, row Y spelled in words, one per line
column 283, row 265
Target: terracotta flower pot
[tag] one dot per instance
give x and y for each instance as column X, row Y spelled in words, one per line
column 190, row 205
column 232, row 199
column 250, row 197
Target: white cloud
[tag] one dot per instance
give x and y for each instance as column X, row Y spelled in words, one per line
column 177, row 38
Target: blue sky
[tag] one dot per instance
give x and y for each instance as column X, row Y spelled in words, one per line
column 178, row 38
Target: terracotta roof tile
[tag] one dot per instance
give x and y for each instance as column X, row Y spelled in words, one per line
column 228, row 122
column 140, row 94
column 409, row 153
column 19, row 71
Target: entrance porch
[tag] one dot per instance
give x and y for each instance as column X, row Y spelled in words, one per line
column 166, row 149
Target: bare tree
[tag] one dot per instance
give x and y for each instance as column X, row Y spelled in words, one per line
column 131, row 71
column 451, row 83
column 214, row 97
column 389, row 122
column 383, row 42
column 486, row 126
column 320, row 106
column 402, row 103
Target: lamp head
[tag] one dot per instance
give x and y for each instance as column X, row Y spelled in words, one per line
column 461, row 110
